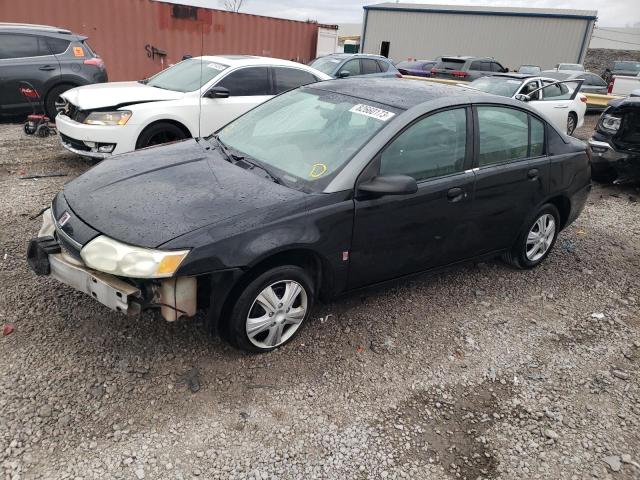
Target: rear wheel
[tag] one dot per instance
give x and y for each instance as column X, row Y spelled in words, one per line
column 53, row 103
column 536, row 241
column 270, row 310
column 159, row 133
column 572, row 122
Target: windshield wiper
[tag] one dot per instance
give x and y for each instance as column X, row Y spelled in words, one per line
column 231, row 157
column 253, row 165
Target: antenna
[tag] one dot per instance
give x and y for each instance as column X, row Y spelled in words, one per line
column 200, row 96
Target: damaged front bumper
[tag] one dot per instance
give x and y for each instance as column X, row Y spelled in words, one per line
column 176, row 297
column 606, row 158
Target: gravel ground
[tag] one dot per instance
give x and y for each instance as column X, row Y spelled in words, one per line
column 479, row 372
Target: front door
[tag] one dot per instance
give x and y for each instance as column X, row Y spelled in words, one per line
column 400, row 235
column 248, row 87
column 512, row 175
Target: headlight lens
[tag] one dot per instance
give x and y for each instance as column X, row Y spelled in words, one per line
column 120, row 117
column 110, row 256
column 610, row 123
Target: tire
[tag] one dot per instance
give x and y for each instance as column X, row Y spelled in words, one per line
column 520, row 255
column 158, row 134
column 51, row 98
column 278, row 320
column 572, row 122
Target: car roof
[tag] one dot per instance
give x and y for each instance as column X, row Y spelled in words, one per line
column 30, row 26
column 519, row 76
column 243, row 60
column 465, row 57
column 394, row 92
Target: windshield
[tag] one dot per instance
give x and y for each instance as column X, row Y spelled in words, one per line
column 186, row 76
column 529, row 69
column 326, row 64
column 306, row 136
column 506, row 87
column 629, row 66
column 571, row 66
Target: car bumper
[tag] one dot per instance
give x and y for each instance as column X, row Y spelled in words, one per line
column 91, row 140
column 605, row 158
column 604, row 153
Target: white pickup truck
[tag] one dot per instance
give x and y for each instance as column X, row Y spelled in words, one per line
column 623, row 85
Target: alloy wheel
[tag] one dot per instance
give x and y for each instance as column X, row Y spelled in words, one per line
column 59, row 104
column 540, row 237
column 276, row 314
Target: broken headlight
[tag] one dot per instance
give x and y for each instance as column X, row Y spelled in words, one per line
column 610, row 123
column 110, row 256
column 120, row 117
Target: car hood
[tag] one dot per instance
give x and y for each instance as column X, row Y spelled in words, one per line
column 117, row 94
column 152, row 196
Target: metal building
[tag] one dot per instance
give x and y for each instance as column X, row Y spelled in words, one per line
column 137, row 38
column 513, row 36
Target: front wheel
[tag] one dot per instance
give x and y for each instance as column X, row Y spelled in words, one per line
column 537, row 240
column 159, row 133
column 54, row 103
column 270, row 310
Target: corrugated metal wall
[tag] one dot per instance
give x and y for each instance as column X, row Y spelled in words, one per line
column 119, row 30
column 512, row 40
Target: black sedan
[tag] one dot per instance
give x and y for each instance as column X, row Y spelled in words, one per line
column 322, row 190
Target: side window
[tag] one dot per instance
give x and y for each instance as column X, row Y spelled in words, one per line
column 432, row 147
column 496, row 67
column 477, row 66
column 289, row 78
column 555, row 91
column 247, row 82
column 21, row 46
column 57, row 45
column 504, row 135
column 537, row 137
column 369, row 66
column 531, row 87
column 382, row 65
column 352, row 66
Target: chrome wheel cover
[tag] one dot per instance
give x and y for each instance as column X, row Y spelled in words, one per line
column 540, row 237
column 276, row 314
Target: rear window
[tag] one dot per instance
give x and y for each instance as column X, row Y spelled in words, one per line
column 91, row 51
column 384, row 66
column 631, row 66
column 57, row 45
column 450, row 64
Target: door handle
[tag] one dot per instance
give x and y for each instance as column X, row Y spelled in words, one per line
column 533, row 174
column 456, row 194
column 561, row 106
column 47, row 68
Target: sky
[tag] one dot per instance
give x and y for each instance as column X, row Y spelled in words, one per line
column 611, row 13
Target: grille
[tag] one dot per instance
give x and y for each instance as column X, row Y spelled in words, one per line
column 73, row 143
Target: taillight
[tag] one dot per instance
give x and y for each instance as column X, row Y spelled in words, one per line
column 459, row 74
column 398, row 74
column 96, row 62
column 610, row 87
column 583, row 99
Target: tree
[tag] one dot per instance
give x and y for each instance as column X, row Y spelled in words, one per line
column 233, row 5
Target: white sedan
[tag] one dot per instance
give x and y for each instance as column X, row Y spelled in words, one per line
column 190, row 99
column 561, row 102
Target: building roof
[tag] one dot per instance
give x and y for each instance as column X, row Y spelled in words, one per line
column 402, row 94
column 473, row 10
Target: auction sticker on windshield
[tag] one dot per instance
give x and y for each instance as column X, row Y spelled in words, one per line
column 216, row 66
column 373, row 112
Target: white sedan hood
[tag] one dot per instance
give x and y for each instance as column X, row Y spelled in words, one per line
column 102, row 95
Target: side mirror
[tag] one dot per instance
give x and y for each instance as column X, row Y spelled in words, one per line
column 389, row 185
column 217, row 92
column 522, row 97
column 343, row 74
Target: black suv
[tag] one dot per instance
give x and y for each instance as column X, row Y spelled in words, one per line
column 466, row 68
column 52, row 59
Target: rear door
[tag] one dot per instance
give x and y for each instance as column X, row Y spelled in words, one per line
column 512, row 174
column 396, row 235
column 24, row 57
column 248, row 87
